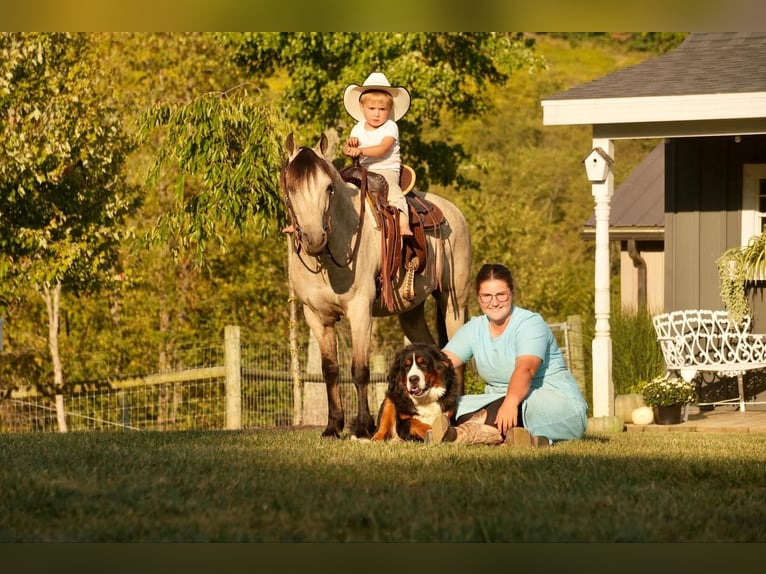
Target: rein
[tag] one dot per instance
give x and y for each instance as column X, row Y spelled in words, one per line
column 355, row 250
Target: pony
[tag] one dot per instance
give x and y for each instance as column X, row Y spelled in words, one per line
column 335, row 262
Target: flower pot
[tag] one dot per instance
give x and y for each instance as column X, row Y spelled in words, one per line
column 668, row 415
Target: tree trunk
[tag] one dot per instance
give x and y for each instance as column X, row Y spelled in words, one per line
column 295, row 364
column 52, row 298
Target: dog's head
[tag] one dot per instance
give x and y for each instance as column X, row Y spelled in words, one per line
column 422, row 372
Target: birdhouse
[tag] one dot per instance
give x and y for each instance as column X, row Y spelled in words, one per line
column 597, row 164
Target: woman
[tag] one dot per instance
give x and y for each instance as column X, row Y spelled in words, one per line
column 530, row 398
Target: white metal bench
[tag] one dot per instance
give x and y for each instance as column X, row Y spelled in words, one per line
column 697, row 340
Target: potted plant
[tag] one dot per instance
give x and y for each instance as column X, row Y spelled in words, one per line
column 667, row 395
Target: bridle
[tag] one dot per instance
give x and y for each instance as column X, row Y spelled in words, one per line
column 327, row 224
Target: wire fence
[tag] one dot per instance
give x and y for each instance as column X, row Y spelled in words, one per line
column 210, row 388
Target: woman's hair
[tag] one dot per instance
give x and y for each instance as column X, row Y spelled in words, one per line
column 377, row 97
column 494, row 271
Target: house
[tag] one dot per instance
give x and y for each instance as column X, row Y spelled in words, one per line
column 707, row 101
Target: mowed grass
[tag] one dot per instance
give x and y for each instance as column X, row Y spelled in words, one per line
column 294, row 486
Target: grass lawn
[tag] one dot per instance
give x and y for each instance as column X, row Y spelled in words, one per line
column 293, row 486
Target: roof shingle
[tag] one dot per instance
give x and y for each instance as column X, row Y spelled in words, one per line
column 704, row 64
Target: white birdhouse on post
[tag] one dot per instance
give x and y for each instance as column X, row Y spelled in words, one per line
column 597, row 164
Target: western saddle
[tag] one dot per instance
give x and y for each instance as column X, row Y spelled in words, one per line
column 409, row 251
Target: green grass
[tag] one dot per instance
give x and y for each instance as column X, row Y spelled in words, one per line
column 293, row 486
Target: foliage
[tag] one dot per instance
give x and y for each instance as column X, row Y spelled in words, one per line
column 63, row 197
column 659, row 42
column 275, row 485
column 636, row 354
column 230, row 143
column 444, row 72
column 666, row 391
column 533, row 201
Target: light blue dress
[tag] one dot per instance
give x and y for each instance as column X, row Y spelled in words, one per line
column 554, row 407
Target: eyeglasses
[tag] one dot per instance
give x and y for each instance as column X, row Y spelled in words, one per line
column 502, row 297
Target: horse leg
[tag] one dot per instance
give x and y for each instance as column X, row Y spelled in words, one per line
column 414, row 326
column 328, row 351
column 360, row 319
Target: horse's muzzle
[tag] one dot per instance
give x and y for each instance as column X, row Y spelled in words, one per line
column 314, row 243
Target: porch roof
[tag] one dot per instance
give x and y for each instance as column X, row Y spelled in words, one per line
column 712, row 84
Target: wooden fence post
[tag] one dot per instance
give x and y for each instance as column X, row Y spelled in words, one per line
column 233, row 363
column 576, row 349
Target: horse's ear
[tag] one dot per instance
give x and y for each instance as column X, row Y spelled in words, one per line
column 290, row 145
column 323, row 144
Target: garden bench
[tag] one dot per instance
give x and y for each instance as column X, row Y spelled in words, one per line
column 696, row 341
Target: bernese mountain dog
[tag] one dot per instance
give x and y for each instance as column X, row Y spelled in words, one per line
column 421, row 386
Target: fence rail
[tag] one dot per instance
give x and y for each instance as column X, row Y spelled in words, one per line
column 250, row 387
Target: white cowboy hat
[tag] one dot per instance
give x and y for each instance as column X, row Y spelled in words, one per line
column 376, row 81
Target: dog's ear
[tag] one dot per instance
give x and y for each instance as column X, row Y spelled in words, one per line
column 395, row 370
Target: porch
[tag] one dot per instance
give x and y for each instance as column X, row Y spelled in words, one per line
column 723, row 419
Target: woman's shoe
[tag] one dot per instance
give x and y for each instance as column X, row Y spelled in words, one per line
column 520, row 437
column 441, row 430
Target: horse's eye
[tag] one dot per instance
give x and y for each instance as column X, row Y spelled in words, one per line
column 330, row 189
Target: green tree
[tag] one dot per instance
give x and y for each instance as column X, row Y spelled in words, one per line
column 63, row 196
column 446, row 74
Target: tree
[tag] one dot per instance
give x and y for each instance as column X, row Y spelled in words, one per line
column 228, row 144
column 63, row 197
column 446, row 73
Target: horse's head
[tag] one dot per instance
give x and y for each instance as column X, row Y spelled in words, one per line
column 308, row 184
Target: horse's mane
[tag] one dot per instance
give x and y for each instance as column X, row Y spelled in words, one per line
column 303, row 168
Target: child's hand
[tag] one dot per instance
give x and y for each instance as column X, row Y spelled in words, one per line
column 353, row 142
column 352, row 151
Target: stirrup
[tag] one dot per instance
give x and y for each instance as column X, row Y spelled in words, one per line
column 409, row 279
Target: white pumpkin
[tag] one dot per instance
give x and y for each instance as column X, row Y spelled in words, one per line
column 643, row 416
column 625, row 404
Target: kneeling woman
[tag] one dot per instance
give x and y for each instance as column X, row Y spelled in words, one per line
column 531, row 398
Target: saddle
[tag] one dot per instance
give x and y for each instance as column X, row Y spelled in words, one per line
column 397, row 251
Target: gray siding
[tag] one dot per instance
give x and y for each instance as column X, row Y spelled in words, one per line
column 703, row 200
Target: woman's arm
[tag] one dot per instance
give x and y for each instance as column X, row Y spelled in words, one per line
column 454, row 359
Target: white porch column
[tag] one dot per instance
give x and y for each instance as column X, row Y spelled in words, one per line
column 603, row 389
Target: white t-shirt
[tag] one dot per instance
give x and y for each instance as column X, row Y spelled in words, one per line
column 373, row 137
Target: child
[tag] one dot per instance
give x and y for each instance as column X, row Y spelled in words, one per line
column 377, row 106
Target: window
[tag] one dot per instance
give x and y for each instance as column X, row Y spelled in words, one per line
column 753, row 200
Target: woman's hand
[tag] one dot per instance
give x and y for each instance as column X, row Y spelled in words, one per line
column 507, row 415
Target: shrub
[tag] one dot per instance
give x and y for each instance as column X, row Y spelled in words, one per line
column 636, row 354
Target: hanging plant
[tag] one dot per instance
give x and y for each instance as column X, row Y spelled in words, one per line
column 731, row 280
